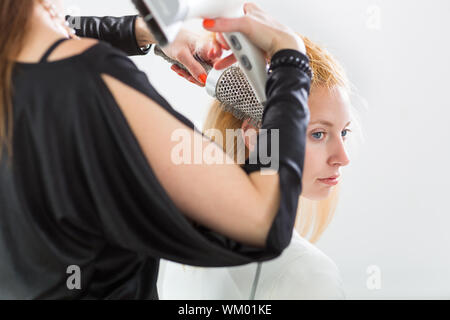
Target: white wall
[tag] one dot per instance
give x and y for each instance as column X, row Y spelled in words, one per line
column 392, row 213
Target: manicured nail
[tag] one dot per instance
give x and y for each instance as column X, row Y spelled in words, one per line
column 209, row 23
column 202, row 78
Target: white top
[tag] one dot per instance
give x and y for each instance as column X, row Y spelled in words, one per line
column 302, row 271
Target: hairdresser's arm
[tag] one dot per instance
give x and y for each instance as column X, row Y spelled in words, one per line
column 242, row 205
column 221, row 197
column 131, row 35
column 120, row 32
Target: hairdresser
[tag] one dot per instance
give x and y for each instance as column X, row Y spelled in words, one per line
column 91, row 196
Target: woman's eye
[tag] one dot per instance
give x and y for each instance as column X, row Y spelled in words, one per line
column 346, row 132
column 317, row 133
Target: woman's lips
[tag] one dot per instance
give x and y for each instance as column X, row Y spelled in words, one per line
column 331, row 182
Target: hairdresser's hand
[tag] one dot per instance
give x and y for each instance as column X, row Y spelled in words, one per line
column 183, row 49
column 261, row 29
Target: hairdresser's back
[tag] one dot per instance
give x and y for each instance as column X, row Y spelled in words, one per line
column 90, row 198
column 59, row 235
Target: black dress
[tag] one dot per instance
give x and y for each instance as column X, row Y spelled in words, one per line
column 80, row 192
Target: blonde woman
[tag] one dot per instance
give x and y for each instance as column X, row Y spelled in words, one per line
column 302, row 271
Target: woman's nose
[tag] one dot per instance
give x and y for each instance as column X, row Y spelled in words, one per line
column 340, row 155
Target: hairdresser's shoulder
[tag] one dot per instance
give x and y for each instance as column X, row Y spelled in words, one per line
column 95, row 52
column 76, row 47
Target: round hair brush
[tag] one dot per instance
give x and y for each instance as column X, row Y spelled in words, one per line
column 230, row 87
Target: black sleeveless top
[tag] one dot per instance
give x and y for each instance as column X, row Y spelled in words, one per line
column 80, row 193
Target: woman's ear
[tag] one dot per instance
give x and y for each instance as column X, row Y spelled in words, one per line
column 249, row 134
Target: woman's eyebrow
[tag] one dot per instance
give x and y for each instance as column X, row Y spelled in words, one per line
column 326, row 123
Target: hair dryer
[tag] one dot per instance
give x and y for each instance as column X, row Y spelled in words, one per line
column 165, row 18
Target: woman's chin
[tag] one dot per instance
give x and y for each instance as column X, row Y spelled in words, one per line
column 317, row 195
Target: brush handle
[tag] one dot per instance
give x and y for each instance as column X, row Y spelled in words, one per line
column 213, row 75
column 159, row 52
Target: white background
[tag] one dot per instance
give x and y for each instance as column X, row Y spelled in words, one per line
column 393, row 212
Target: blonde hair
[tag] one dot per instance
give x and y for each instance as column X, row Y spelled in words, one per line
column 312, row 216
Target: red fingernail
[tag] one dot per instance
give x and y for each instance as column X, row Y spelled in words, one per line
column 209, row 23
column 203, row 77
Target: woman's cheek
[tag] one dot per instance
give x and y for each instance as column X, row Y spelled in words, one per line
column 313, row 160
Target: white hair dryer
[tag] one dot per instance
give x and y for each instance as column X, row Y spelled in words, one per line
column 165, row 18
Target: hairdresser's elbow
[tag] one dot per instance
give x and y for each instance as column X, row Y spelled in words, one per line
column 271, row 238
column 274, row 240
column 268, row 233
